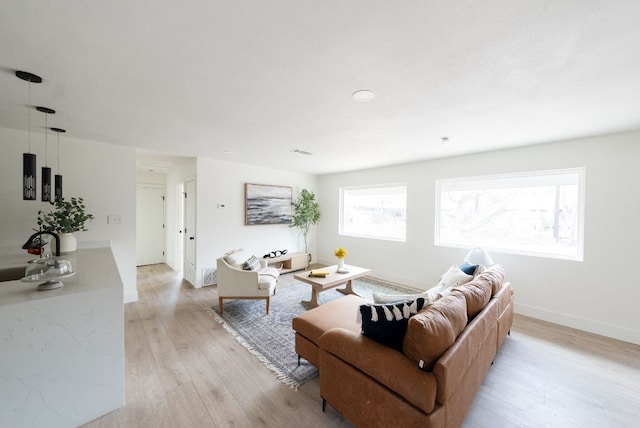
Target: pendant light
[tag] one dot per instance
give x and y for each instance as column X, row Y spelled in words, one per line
column 46, row 171
column 58, row 178
column 29, row 159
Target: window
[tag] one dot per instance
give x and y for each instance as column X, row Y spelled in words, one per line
column 378, row 212
column 538, row 213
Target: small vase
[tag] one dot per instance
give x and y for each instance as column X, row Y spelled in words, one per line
column 68, row 243
column 340, row 263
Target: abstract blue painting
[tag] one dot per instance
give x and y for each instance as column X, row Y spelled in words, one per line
column 267, row 204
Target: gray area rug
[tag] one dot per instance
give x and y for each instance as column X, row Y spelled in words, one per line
column 270, row 337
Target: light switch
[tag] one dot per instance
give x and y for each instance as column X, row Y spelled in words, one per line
column 114, row 219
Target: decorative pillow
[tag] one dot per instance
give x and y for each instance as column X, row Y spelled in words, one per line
column 251, row 263
column 236, row 258
column 468, row 268
column 395, row 298
column 387, row 324
column 454, row 276
column 431, row 332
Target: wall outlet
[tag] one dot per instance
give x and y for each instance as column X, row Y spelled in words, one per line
column 114, row 219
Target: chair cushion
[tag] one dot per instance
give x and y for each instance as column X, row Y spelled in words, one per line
column 266, row 282
column 272, row 272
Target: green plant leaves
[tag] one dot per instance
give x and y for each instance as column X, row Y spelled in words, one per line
column 306, row 212
column 66, row 217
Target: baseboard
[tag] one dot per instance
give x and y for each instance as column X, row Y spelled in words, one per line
column 131, row 297
column 418, row 286
column 590, row 326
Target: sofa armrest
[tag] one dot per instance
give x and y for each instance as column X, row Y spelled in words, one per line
column 387, row 366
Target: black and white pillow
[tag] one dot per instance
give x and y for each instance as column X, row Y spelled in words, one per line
column 387, row 324
column 251, row 263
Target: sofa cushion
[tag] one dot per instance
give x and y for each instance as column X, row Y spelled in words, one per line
column 434, row 329
column 495, row 276
column 337, row 313
column 387, row 324
column 477, row 294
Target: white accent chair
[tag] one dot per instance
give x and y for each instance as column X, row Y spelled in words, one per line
column 236, row 283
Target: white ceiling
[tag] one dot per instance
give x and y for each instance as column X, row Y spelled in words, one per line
column 248, row 81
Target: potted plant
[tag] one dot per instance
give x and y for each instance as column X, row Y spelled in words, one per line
column 66, row 218
column 306, row 212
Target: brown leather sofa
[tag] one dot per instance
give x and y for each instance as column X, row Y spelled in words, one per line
column 454, row 340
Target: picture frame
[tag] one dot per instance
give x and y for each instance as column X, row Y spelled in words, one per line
column 267, row 204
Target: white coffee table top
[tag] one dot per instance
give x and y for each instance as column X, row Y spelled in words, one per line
column 334, row 278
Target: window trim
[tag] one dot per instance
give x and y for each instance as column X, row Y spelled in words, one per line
column 581, row 171
column 341, row 231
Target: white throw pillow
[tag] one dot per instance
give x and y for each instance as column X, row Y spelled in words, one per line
column 393, row 298
column 237, row 258
column 454, row 276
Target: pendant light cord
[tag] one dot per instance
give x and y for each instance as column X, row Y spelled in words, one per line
column 46, row 141
column 29, row 114
column 58, row 152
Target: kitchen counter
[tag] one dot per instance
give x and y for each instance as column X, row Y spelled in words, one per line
column 62, row 350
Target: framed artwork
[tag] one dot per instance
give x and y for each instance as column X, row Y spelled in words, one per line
column 266, row 204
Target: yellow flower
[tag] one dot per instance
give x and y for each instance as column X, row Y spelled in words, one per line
column 340, row 253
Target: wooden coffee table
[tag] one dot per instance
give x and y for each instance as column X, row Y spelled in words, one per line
column 332, row 280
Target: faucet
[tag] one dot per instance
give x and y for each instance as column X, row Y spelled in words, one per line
column 44, row 232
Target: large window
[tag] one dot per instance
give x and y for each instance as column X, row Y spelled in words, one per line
column 537, row 213
column 374, row 211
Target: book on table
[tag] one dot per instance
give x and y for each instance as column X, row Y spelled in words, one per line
column 318, row 274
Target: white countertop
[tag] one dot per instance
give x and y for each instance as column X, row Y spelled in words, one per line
column 95, row 269
column 62, row 360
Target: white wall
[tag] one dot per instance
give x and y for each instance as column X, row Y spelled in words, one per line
column 599, row 295
column 222, row 229
column 185, row 171
column 103, row 174
column 147, row 177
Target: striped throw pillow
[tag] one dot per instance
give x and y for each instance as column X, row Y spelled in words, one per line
column 252, row 263
column 387, row 324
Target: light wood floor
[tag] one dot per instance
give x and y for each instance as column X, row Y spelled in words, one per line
column 184, row 370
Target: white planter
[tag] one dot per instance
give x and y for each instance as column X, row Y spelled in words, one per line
column 68, row 243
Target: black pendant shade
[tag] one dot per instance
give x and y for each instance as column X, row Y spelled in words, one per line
column 28, row 176
column 58, row 187
column 58, row 178
column 29, row 159
column 29, row 77
column 46, row 184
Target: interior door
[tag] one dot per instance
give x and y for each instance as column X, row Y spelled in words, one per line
column 189, row 234
column 150, row 230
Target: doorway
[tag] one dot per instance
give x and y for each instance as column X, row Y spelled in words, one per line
column 150, row 224
column 189, row 232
